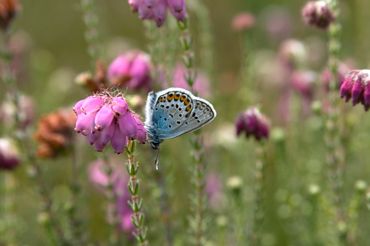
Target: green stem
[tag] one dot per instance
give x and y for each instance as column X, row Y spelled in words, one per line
column 75, row 188
column 91, row 34
column 258, row 215
column 335, row 151
column 198, row 224
column 136, row 202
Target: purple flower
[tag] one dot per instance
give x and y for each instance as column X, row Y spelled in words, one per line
column 200, row 86
column 131, row 70
column 303, row 82
column 104, row 118
column 177, row 9
column 9, row 156
column 253, row 124
column 100, row 179
column 356, row 86
column 318, row 14
column 156, row 10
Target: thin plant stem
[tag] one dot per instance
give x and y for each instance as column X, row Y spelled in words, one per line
column 165, row 209
column 258, row 215
column 47, row 217
column 75, row 188
column 112, row 196
column 136, row 202
column 335, row 157
column 92, row 37
column 198, row 224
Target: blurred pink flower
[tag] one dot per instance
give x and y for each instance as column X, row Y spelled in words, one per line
column 214, row 189
column 343, row 69
column 9, row 156
column 156, row 10
column 318, row 14
column 303, row 82
column 131, row 70
column 253, row 124
column 104, row 118
column 356, row 86
column 200, row 86
column 243, row 22
column 119, row 179
column 278, row 23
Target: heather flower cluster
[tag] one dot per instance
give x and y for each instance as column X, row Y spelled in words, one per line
column 104, row 118
column 318, row 14
column 131, row 70
column 156, row 10
column 253, row 124
column 356, row 86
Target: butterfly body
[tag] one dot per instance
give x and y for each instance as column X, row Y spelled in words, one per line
column 173, row 112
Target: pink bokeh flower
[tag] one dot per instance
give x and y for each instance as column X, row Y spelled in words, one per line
column 243, row 22
column 253, row 124
column 131, row 70
column 214, row 190
column 200, row 86
column 119, row 179
column 104, row 118
column 156, row 10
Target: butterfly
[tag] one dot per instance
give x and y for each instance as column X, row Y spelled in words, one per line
column 173, row 112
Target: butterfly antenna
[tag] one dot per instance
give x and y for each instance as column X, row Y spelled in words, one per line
column 156, row 160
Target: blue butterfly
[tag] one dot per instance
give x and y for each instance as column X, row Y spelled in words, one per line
column 174, row 112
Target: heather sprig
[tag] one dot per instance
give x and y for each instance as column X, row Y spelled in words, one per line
column 92, row 36
column 335, row 155
column 136, row 202
column 197, row 222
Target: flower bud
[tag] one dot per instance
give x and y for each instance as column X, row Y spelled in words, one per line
column 9, row 156
column 318, row 14
column 253, row 124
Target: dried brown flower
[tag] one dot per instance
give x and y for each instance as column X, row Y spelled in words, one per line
column 54, row 133
column 94, row 83
column 8, row 10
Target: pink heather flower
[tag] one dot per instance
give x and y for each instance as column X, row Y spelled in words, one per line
column 177, row 9
column 99, row 178
column 104, row 118
column 243, row 22
column 9, row 156
column 253, row 124
column 131, row 70
column 156, row 10
column 318, row 14
column 200, row 86
column 356, row 86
